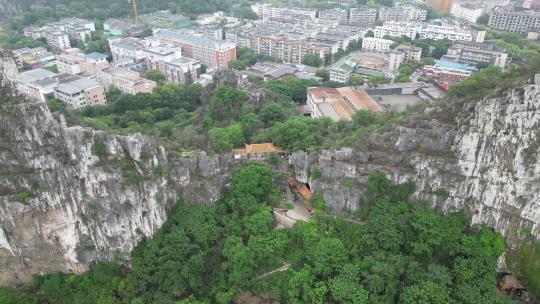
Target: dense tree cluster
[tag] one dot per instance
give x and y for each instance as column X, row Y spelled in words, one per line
column 203, row 254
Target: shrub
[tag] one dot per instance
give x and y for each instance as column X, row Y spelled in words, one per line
column 442, row 192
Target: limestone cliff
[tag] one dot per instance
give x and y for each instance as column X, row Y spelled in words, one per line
column 486, row 164
column 71, row 195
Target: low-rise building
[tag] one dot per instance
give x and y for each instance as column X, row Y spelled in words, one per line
column 474, row 53
column 74, row 61
column 37, row 84
column 396, row 29
column 414, row 30
column 268, row 11
column 155, row 56
column 258, row 152
column 362, row 16
column 182, row 70
column 58, row 40
column 117, row 27
column 34, row 58
column 125, row 80
column 467, row 11
column 376, row 45
column 81, row 92
column 512, row 19
column 446, row 73
column 402, row 13
column 402, row 54
column 339, row 103
column 342, row 70
column 214, row 53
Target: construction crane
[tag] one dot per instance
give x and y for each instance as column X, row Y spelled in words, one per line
column 134, row 11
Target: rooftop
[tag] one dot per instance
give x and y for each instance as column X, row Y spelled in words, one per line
column 341, row 103
column 258, row 148
column 96, row 56
column 77, row 85
column 35, row 74
column 190, row 38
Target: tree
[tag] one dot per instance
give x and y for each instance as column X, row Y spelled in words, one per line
column 482, row 65
column 237, row 65
column 369, row 33
column 323, row 73
column 313, row 60
column 154, row 75
column 425, row 293
column 356, row 80
column 375, row 80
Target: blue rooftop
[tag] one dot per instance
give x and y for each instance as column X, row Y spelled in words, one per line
column 96, row 56
column 455, row 65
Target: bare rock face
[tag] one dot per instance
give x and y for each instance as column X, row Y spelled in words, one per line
column 71, row 195
column 488, row 164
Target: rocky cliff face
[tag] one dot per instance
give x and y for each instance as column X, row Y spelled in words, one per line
column 487, row 164
column 71, row 195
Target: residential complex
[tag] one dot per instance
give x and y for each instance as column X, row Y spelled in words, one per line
column 362, row 16
column 81, row 92
column 57, row 34
column 165, row 55
column 415, row 30
column 182, row 70
column 402, row 54
column 441, row 6
column 511, row 19
column 74, row 61
column 125, row 80
column 376, row 45
column 474, row 53
column 117, row 27
column 267, row 11
column 402, row 13
column 339, row 103
column 214, row 53
column 467, row 11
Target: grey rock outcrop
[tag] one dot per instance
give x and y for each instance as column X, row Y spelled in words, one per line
column 63, row 207
column 488, row 164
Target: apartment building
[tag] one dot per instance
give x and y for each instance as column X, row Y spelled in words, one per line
column 125, row 80
column 402, row 54
column 467, row 11
column 182, row 70
column 155, row 56
column 339, row 103
column 362, row 16
column 214, row 53
column 117, row 27
column 338, row 15
column 376, row 45
column 74, row 61
column 267, row 11
column 474, row 53
column 37, row 84
column 57, row 34
column 342, row 70
column 511, row 19
column 402, row 13
column 396, row 29
column 81, row 92
column 415, row 30
column 128, row 48
column 441, row 6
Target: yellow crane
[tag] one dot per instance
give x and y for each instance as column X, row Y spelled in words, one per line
column 134, row 11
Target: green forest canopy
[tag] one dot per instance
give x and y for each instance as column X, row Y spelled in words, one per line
column 212, row 254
